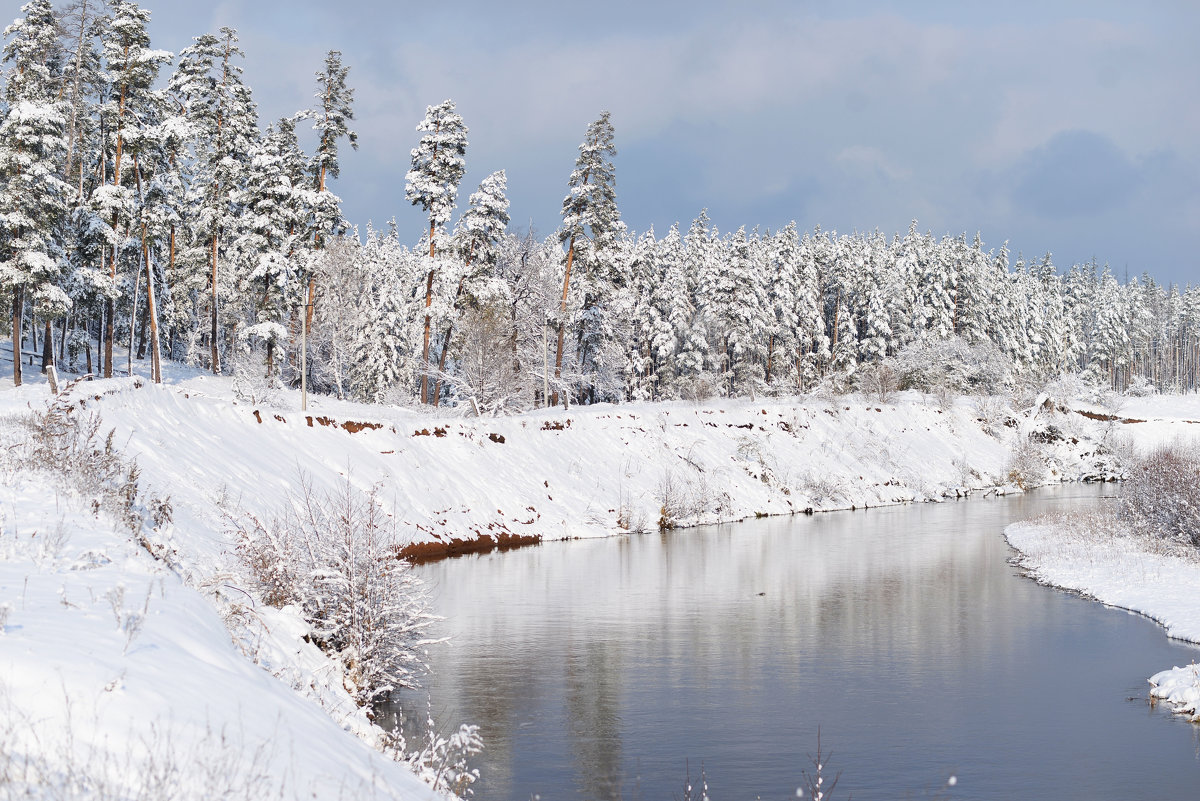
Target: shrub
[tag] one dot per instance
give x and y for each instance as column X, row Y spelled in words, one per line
column 1161, row 493
column 64, row 442
column 879, row 381
column 1025, row 468
column 334, row 555
column 928, row 364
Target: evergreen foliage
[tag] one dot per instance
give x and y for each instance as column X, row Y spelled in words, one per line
column 117, row 191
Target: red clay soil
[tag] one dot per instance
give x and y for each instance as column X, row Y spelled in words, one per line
column 353, row 426
column 1106, row 418
column 421, row 552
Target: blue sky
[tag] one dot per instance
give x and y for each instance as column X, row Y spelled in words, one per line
column 1070, row 127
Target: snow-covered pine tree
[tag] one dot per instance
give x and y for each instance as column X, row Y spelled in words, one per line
column 651, row 339
column 223, row 120
column 939, row 288
column 739, row 314
column 779, row 251
column 80, row 24
column 590, row 209
column 484, row 221
column 158, row 199
column 673, row 300
column 131, row 68
column 811, row 340
column 475, row 237
column 438, row 164
column 1111, row 344
column 272, row 227
column 331, row 120
column 33, row 197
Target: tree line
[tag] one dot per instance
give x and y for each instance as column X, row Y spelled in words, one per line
column 152, row 209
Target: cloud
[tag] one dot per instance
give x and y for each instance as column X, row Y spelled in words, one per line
column 1023, row 120
column 1074, row 174
column 870, row 162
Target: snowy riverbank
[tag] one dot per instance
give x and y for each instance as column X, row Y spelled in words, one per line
column 1095, row 555
column 462, row 483
column 117, row 664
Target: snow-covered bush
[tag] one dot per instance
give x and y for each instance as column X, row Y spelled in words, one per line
column 253, row 380
column 64, row 441
column 1161, row 493
column 443, row 762
column 1141, row 387
column 994, row 413
column 1025, row 468
column 879, row 381
column 928, row 364
column 1072, row 386
column 334, row 556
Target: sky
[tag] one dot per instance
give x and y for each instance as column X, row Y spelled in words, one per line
column 1063, row 126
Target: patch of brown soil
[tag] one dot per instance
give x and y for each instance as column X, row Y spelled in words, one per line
column 1107, row 418
column 421, row 552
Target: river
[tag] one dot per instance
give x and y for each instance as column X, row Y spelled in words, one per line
column 613, row 668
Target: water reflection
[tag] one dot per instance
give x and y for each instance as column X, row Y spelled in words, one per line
column 598, row 669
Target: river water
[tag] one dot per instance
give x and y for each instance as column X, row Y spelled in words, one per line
column 613, row 668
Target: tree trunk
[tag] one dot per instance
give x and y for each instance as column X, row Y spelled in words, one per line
column 770, row 356
column 17, row 309
column 137, row 281
column 558, row 353
column 216, row 351
column 437, row 385
column 141, row 337
column 47, row 348
column 151, row 312
column 110, row 310
column 425, row 347
column 428, row 303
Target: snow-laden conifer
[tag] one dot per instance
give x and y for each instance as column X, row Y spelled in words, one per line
column 33, row 196
column 590, row 219
column 223, row 120
column 438, row 164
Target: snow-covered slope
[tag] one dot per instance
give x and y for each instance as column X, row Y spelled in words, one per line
column 556, row 474
column 119, row 681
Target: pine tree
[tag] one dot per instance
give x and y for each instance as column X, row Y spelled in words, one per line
column 131, row 67
column 674, row 354
column 590, row 209
column 33, row 197
column 331, row 120
column 811, row 340
column 80, row 23
column 223, row 120
column 438, row 164
column 273, row 226
column 476, row 235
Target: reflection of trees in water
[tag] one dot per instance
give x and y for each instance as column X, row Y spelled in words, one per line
column 920, row 586
column 593, row 706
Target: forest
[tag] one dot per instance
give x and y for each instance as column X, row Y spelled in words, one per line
column 147, row 213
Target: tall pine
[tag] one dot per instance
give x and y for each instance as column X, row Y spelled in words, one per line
column 438, row 164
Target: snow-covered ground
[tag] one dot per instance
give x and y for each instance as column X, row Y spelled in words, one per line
column 120, row 668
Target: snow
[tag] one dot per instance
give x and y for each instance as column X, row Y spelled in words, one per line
column 112, row 668
column 114, row 664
